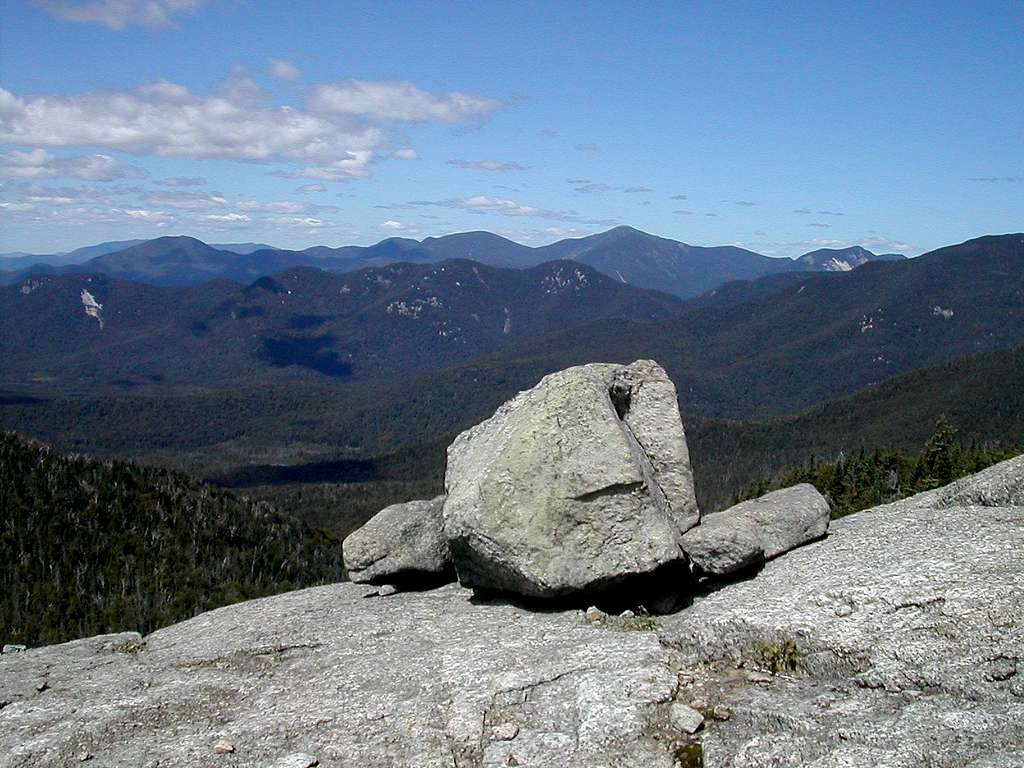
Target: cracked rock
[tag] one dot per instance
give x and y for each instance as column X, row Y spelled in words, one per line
column 574, row 487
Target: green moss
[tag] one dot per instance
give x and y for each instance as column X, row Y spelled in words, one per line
column 777, row 657
column 690, row 755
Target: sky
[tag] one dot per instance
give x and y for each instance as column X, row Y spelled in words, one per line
column 777, row 127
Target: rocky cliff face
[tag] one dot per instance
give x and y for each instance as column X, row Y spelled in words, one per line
column 896, row 641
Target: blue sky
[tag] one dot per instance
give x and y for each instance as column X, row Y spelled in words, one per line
column 899, row 126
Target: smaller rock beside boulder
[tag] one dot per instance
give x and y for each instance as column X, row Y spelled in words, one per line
column 757, row 530
column 403, row 544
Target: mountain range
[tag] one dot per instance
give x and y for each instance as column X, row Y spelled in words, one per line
column 769, row 346
column 624, row 253
column 336, row 394
column 93, row 330
column 20, row 261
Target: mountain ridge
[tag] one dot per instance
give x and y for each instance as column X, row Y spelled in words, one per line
column 625, row 253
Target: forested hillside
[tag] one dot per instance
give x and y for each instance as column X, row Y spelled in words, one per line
column 868, row 478
column 338, row 454
column 88, row 547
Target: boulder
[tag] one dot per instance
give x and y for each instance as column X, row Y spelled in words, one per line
column 402, row 544
column 757, row 530
column 572, row 487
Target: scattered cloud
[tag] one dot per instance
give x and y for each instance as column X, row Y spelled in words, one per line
column 393, row 225
column 679, row 197
column 501, row 207
column 186, row 201
column 684, row 213
column 819, row 225
column 282, row 69
column 228, row 218
column 487, row 165
column 307, row 188
column 405, row 154
column 710, row 214
column 594, row 187
column 399, row 101
column 182, row 181
column 997, row 179
column 745, row 203
column 40, row 164
column 118, row 14
column 61, row 196
column 635, row 190
column 303, row 222
column 808, row 211
column 885, row 244
column 337, row 136
column 588, row 148
column 284, row 206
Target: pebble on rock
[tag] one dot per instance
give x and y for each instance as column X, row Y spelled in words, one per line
column 387, row 590
column 686, row 718
column 223, row 748
column 297, row 760
column 505, row 732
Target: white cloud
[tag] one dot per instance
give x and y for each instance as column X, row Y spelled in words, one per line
column 118, row 14
column 228, row 218
column 336, row 137
column 487, row 165
column 284, row 206
column 60, row 196
column 307, row 188
column 395, row 101
column 392, row 224
column 501, row 207
column 595, row 187
column 142, row 214
column 307, row 222
column 40, row 164
column 495, row 205
column 635, row 190
column 282, row 69
column 182, row 181
column 186, row 201
column 405, row 154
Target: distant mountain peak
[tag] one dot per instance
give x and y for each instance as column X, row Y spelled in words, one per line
column 842, row 259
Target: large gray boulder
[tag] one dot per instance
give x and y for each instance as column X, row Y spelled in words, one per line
column 573, row 486
column 401, row 544
column 757, row 530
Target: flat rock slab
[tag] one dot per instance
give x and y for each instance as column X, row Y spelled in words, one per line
column 418, row 680
column 893, row 641
column 897, row 642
